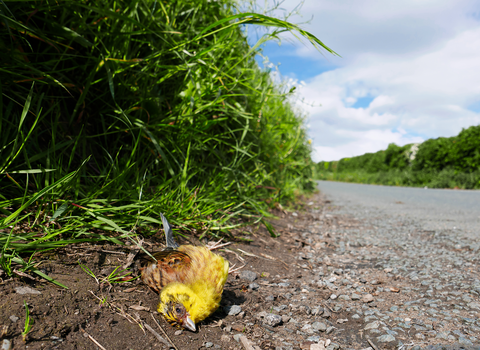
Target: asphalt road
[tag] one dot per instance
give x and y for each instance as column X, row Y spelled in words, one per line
column 434, row 209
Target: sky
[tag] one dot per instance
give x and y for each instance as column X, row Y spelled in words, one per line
column 409, row 71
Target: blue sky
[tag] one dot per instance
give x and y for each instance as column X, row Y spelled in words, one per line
column 409, row 70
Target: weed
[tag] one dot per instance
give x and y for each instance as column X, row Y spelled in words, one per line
column 28, row 322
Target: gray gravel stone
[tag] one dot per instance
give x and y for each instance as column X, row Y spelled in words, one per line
column 248, row 275
column 13, row 318
column 386, row 338
column 319, row 326
column 6, row 344
column 355, row 296
column 464, row 341
column 330, row 329
column 273, row 320
column 26, row 290
column 233, row 310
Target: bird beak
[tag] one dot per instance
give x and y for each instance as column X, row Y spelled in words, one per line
column 189, row 324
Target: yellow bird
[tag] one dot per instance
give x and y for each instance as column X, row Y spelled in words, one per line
column 189, row 279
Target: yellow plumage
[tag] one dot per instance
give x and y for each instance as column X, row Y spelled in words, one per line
column 189, row 279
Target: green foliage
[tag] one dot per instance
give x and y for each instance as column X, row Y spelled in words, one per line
column 112, row 111
column 447, row 178
column 438, row 163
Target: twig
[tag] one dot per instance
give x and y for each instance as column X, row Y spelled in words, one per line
column 218, row 246
column 165, row 334
column 92, row 339
column 158, row 336
column 371, row 343
column 23, row 274
column 236, row 254
column 231, row 270
column 247, row 253
column 111, row 252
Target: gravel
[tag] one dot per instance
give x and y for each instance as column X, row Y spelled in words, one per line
column 365, row 273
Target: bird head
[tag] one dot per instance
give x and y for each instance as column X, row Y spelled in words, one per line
column 176, row 304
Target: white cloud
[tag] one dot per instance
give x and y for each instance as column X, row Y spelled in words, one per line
column 416, row 62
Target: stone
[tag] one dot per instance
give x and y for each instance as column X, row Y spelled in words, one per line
column 372, row 325
column 319, row 346
column 225, row 338
column 319, row 326
column 208, row 344
column 233, row 310
column 273, row 320
column 474, row 305
column 386, row 338
column 6, row 344
column 367, row 298
column 314, row 338
column 248, row 275
column 13, row 318
column 355, row 296
column 254, row 286
column 464, row 341
column 26, row 290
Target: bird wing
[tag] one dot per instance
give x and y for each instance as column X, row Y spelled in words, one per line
column 170, row 266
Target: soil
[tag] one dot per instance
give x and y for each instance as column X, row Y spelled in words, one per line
column 95, row 313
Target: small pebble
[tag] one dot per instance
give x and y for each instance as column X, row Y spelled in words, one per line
column 26, row 290
column 273, row 320
column 248, row 275
column 386, row 338
column 233, row 310
column 6, row 344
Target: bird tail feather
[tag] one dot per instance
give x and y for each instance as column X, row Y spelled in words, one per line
column 168, row 233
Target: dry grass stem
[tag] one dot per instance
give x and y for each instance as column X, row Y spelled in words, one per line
column 158, row 336
column 236, row 254
column 164, row 333
column 371, row 343
column 93, row 340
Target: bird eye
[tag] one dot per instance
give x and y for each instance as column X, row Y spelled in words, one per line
column 178, row 310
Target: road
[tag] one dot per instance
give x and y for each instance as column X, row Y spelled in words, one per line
column 434, row 209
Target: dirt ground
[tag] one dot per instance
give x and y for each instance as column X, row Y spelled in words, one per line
column 97, row 315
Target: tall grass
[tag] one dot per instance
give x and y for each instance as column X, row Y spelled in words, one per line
column 112, row 111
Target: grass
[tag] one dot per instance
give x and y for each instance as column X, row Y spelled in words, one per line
column 114, row 111
column 28, row 322
column 447, row 178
